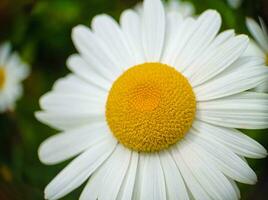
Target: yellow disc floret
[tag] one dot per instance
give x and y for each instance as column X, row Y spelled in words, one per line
column 150, row 107
column 2, row 77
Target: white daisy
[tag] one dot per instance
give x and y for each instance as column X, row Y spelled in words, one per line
column 151, row 107
column 235, row 3
column 183, row 7
column 260, row 47
column 12, row 72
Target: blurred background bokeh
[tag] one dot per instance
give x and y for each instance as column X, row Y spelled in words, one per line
column 40, row 31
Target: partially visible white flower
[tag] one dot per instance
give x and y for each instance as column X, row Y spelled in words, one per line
column 259, row 47
column 259, row 33
column 235, row 3
column 186, row 9
column 12, row 72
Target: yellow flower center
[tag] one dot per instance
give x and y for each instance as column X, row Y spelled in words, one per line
column 2, row 77
column 150, row 107
column 266, row 59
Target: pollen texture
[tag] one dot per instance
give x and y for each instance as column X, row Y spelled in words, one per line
column 150, row 107
column 2, row 77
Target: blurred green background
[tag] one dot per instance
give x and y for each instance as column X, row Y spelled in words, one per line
column 40, row 31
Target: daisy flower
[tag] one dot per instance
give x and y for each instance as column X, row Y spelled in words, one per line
column 151, row 108
column 184, row 8
column 235, row 3
column 12, row 72
column 260, row 47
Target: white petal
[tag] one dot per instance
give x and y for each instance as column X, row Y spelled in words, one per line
column 131, row 27
column 184, row 32
column 3, row 103
column 4, row 52
column 174, row 183
column 219, row 59
column 94, row 184
column 233, row 183
column 206, row 28
column 247, row 110
column 16, row 68
column 219, row 40
column 153, row 181
column 9, row 95
column 108, row 30
column 236, row 141
column 174, row 22
column 139, row 178
column 254, row 50
column 184, row 8
column 126, row 191
column 211, row 179
column 65, row 145
column 153, row 29
column 263, row 26
column 95, row 52
column 72, row 84
column 73, row 103
column 118, row 162
column 79, row 170
column 244, row 74
column 65, row 121
column 259, row 35
column 63, row 111
column 224, row 159
column 197, row 190
column 234, row 3
column 80, row 67
column 263, row 87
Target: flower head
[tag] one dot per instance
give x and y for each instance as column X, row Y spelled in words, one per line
column 12, row 72
column 259, row 46
column 151, row 108
column 235, row 3
column 185, row 9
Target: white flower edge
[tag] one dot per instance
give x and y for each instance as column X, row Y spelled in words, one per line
column 15, row 72
column 185, row 9
column 235, row 3
column 258, row 46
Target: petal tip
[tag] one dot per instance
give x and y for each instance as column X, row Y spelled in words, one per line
column 38, row 115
